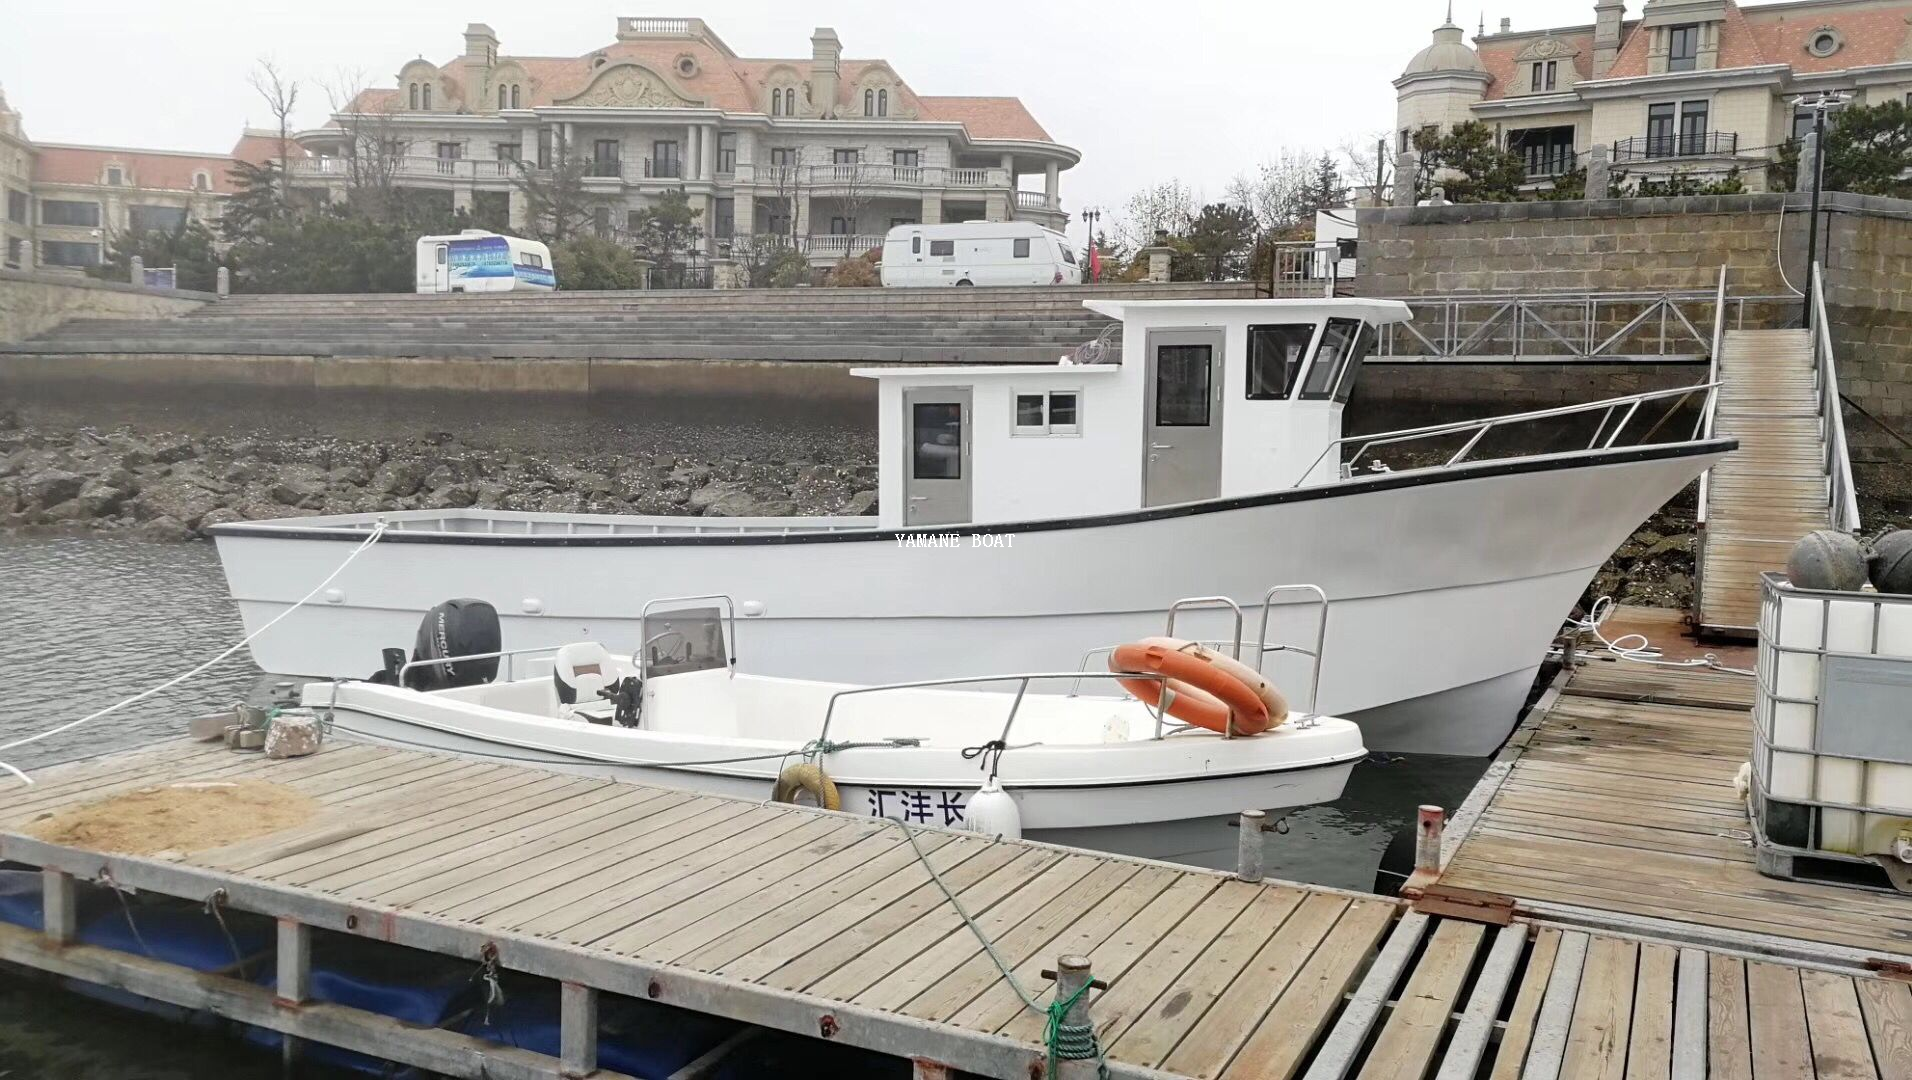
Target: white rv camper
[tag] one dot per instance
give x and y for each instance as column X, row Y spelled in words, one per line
column 480, row 261
column 978, row 253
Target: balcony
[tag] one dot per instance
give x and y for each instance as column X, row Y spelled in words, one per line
column 1661, row 147
column 829, row 246
column 868, row 174
column 412, row 168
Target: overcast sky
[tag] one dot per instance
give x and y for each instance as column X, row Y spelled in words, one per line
column 1197, row 90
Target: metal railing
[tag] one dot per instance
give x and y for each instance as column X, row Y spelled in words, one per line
column 1480, row 428
column 1842, row 499
column 1695, row 144
column 1235, row 645
column 1545, row 163
column 1022, row 680
column 1553, row 327
column 1712, row 406
column 1304, row 268
column 509, row 656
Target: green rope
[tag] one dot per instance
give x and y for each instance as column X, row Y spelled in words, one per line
column 1065, row 1041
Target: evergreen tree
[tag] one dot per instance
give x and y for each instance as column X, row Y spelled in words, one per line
column 1326, row 190
column 1216, row 246
column 1469, row 164
column 188, row 249
column 1868, row 152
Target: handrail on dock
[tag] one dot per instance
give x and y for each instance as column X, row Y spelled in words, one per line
column 1842, row 499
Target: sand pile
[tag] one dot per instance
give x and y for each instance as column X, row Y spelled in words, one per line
column 179, row 817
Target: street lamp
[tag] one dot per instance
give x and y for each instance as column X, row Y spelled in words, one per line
column 1820, row 104
column 1090, row 215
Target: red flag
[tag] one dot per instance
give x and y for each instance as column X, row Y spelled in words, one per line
column 1095, row 263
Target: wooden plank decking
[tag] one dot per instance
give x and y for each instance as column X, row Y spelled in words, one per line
column 1772, row 490
column 830, row 925
column 1621, row 799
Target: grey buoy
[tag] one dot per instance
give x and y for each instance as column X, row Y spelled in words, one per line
column 1890, row 564
column 1827, row 559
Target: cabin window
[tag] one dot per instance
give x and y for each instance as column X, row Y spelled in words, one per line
column 532, row 258
column 943, row 247
column 1344, row 344
column 441, row 254
column 1275, row 354
column 1021, row 248
column 916, row 245
column 1051, row 412
column 938, row 450
column 1181, row 385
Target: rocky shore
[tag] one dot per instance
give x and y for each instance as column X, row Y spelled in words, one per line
column 163, row 486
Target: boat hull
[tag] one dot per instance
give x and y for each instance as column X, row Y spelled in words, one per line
column 1447, row 587
column 917, row 802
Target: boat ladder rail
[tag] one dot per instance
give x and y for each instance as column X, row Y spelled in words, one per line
column 1260, row 647
column 1022, row 681
column 1605, row 434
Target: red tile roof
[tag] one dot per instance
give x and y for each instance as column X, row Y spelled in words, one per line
column 1498, row 58
column 986, row 117
column 1871, row 36
column 164, row 170
column 733, row 84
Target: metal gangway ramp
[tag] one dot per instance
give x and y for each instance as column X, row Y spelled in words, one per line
column 1779, row 396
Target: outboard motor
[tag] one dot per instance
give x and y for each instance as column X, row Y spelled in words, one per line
column 462, row 627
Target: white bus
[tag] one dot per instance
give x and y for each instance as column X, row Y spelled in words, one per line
column 978, row 253
column 480, row 261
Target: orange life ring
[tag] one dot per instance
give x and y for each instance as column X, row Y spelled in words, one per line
column 1202, row 686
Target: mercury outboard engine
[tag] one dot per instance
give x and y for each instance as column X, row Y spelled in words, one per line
column 456, row 628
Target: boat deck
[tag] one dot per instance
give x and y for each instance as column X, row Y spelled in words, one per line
column 829, row 925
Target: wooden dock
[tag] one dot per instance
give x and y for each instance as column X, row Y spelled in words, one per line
column 829, row 925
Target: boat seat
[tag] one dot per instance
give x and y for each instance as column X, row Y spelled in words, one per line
column 580, row 670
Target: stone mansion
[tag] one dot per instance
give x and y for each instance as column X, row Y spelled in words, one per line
column 1689, row 86
column 826, row 150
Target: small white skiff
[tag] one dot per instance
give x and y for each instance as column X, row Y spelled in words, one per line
column 914, row 752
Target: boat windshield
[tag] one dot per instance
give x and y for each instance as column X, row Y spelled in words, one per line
column 1344, row 344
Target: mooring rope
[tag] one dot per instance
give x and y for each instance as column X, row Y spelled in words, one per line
column 378, row 530
column 1643, row 652
column 1066, row 1041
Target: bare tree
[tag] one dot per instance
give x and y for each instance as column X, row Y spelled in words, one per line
column 855, row 199
column 375, row 147
column 281, row 95
column 1370, row 163
column 1278, row 190
column 1165, row 207
column 787, row 184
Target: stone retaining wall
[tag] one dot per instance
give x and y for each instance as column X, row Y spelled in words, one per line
column 1679, row 244
column 35, row 302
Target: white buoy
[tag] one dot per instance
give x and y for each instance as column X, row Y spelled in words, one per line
column 992, row 812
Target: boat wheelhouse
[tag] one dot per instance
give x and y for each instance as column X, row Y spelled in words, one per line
column 1030, row 515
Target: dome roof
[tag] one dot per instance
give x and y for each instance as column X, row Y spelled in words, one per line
column 1449, row 52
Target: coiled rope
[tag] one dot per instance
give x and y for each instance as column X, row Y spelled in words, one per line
column 1065, row 1041
column 378, row 530
column 1636, row 647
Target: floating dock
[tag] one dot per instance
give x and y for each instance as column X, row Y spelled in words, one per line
column 830, row 925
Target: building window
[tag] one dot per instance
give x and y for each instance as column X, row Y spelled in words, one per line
column 601, row 220
column 514, row 95
column 1659, row 130
column 504, row 95
column 843, row 157
column 1546, row 76
column 1052, row 412
column 414, row 97
column 869, row 103
column 163, row 219
column 545, row 141
column 1682, row 47
column 1803, row 120
column 724, row 224
column 882, row 103
column 1824, row 42
column 726, row 152
column 450, row 151
column 906, row 159
column 605, row 157
column 665, row 160
column 427, row 96
column 115, row 176
column 1407, row 140
column 508, row 151
column 783, row 157
column 66, row 212
column 776, row 103
column 16, row 253
column 839, row 226
column 1546, row 151
column 1693, row 127
column 1275, row 354
column 17, row 206
column 68, row 253
column 202, row 181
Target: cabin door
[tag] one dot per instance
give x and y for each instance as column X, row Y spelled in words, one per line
column 441, row 267
column 1183, row 460
column 936, row 463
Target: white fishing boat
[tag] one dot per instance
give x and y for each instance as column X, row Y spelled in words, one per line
column 1031, row 513
column 679, row 714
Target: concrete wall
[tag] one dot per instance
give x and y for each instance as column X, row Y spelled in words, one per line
column 33, row 303
column 1652, row 245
